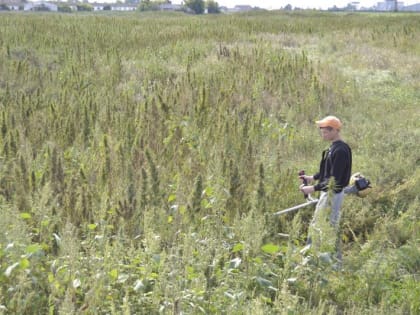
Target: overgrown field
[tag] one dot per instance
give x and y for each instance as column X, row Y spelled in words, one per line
column 142, row 157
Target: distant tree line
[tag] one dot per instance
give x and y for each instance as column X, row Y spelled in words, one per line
column 196, row 6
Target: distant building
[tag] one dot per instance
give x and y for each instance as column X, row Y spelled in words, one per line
column 123, row 7
column 242, row 8
column 170, row 7
column 11, row 7
column 355, row 5
column 389, row 5
column 99, row 6
column 413, row 8
column 223, row 9
column 40, row 6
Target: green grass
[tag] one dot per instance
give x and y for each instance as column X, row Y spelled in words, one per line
column 142, row 157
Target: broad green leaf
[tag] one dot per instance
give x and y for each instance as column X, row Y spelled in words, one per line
column 33, row 248
column 92, row 226
column 24, row 263
column 113, row 274
column 25, row 215
column 270, row 248
column 153, row 275
column 266, row 299
column 50, row 277
column 191, row 274
column 237, row 248
column 171, row 197
column 258, row 260
column 205, row 204
column 208, row 191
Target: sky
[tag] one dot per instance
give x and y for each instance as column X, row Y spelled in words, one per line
column 304, row 4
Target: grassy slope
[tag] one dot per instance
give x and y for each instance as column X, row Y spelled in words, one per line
column 142, row 156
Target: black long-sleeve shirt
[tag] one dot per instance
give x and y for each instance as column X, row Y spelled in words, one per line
column 336, row 162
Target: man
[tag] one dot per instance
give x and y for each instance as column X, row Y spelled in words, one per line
column 333, row 176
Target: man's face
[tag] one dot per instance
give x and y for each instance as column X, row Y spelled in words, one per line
column 328, row 133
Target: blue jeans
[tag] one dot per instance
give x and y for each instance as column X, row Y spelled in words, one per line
column 335, row 206
column 328, row 201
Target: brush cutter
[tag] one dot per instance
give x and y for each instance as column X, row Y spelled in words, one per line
column 355, row 188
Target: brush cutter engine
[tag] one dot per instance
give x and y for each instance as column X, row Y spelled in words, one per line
column 360, row 185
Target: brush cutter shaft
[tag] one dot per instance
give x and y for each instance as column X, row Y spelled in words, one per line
column 310, row 202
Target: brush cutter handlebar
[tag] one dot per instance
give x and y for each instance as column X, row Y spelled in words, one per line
column 304, row 181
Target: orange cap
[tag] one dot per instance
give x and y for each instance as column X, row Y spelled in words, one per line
column 329, row 121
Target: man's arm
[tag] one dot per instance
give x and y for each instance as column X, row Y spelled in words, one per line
column 340, row 168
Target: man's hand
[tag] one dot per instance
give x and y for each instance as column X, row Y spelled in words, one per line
column 307, row 189
column 308, row 178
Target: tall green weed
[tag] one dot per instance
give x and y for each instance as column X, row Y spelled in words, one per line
column 142, row 157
